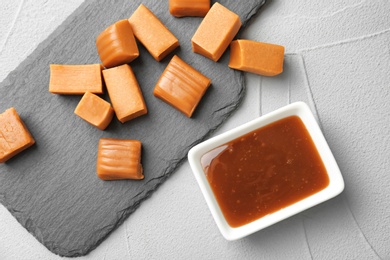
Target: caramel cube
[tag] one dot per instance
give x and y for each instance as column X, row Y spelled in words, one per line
column 181, row 86
column 216, row 32
column 116, row 44
column 75, row 79
column 152, row 33
column 119, row 159
column 180, row 8
column 14, row 135
column 95, row 110
column 125, row 93
column 256, row 57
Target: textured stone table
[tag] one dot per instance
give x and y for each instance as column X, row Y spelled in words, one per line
column 338, row 61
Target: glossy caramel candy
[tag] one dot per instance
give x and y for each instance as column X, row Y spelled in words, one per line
column 116, row 45
column 95, row 110
column 216, row 32
column 152, row 33
column 125, row 94
column 14, row 135
column 256, row 57
column 180, row 8
column 119, row 159
column 181, row 86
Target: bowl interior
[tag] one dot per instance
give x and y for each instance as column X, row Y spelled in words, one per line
column 300, row 109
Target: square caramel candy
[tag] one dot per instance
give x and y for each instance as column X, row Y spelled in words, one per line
column 119, row 159
column 261, row 58
column 116, row 44
column 14, row 135
column 180, row 8
column 152, row 33
column 125, row 94
column 216, row 32
column 181, row 86
column 75, row 79
column 95, row 110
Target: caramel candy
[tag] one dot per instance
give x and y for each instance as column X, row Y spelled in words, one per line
column 216, row 31
column 119, row 159
column 116, row 45
column 75, row 79
column 152, row 33
column 14, row 135
column 125, row 93
column 181, row 86
column 180, row 8
column 95, row 110
column 257, row 57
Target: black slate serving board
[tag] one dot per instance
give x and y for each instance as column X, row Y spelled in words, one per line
column 52, row 188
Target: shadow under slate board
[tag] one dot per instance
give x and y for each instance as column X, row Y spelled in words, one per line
column 52, row 188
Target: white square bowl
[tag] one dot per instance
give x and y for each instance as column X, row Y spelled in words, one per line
column 300, row 109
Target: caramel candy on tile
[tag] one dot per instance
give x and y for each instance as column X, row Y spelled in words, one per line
column 95, row 110
column 152, row 33
column 180, row 8
column 256, row 57
column 119, row 159
column 75, row 79
column 181, row 86
column 216, row 32
column 14, row 135
column 116, row 44
column 125, row 93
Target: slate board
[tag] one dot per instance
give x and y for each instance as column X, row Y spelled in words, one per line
column 52, row 188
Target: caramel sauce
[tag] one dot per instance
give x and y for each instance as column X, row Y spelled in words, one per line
column 264, row 171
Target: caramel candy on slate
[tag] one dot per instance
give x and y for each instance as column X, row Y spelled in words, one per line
column 257, row 57
column 216, row 31
column 14, row 135
column 152, row 33
column 75, row 79
column 181, row 86
column 95, row 110
column 116, row 44
column 119, row 159
column 180, row 8
column 125, row 93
